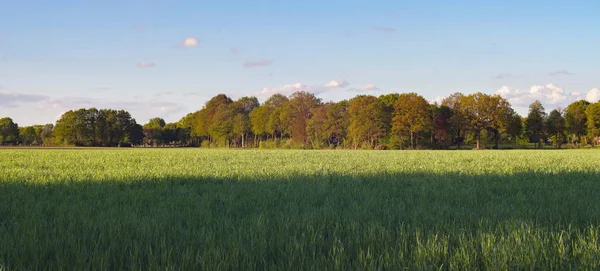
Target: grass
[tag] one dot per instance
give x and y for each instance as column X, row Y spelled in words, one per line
column 190, row 209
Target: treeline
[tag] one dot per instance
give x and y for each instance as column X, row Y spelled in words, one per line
column 392, row 121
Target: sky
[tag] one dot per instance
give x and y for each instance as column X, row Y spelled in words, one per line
column 166, row 58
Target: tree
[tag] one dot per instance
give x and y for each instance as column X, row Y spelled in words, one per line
column 556, row 126
column 242, row 127
column 458, row 122
column 221, row 128
column 336, row 123
column 153, row 131
column 440, row 116
column 9, row 132
column 576, row 120
column 535, row 127
column 296, row 113
column 593, row 121
column 515, row 126
column 316, row 132
column 28, row 136
column 411, row 116
column 482, row 111
column 366, row 116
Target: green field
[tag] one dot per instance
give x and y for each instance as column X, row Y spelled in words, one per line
column 192, row 209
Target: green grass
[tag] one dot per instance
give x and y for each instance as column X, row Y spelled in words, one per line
column 191, row 209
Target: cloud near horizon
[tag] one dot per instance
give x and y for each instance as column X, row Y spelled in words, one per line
column 12, row 100
column 549, row 94
column 291, row 88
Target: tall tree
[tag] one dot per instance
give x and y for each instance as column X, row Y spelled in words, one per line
column 515, row 127
column 297, row 112
column 28, row 136
column 535, row 127
column 576, row 120
column 336, row 123
column 316, row 132
column 556, row 126
column 482, row 111
column 458, row 122
column 153, row 131
column 593, row 121
column 411, row 116
column 9, row 132
column 366, row 117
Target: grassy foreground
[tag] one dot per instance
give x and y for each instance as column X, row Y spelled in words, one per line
column 190, row 209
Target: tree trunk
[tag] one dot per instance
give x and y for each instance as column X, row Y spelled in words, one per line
column 412, row 140
column 478, row 137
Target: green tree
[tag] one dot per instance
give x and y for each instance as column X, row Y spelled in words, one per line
column 316, row 131
column 28, row 136
column 411, row 116
column 576, row 120
column 153, row 131
column 484, row 112
column 366, row 117
column 9, row 132
column 296, row 113
column 336, row 123
column 458, row 121
column 555, row 124
column 593, row 121
column 515, row 127
column 535, row 127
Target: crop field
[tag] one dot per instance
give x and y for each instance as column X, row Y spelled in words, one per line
column 194, row 209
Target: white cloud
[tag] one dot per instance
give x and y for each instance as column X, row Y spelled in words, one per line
column 593, row 96
column 285, row 90
column 437, row 99
column 365, row 88
column 291, row 88
column 337, row 84
column 549, row 94
column 146, row 64
column 190, row 42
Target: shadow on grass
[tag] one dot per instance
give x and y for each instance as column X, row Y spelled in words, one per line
column 408, row 220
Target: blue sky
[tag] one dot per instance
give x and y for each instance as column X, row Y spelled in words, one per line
column 166, row 58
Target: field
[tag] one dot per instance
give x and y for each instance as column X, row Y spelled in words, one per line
column 191, row 209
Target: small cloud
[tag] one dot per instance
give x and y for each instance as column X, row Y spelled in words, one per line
column 384, row 28
column 560, row 72
column 337, row 84
column 11, row 99
column 593, row 96
column 437, row 100
column 190, row 42
column 235, row 50
column 501, row 76
column 289, row 89
column 258, row 63
column 368, row 87
column 146, row 65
